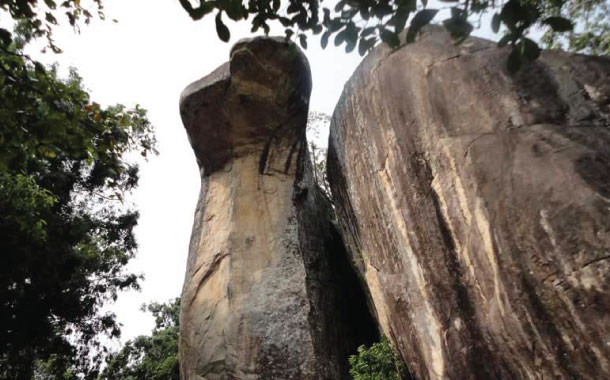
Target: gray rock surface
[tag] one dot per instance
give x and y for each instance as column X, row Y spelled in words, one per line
column 476, row 206
column 268, row 293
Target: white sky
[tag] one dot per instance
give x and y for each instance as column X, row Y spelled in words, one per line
column 148, row 58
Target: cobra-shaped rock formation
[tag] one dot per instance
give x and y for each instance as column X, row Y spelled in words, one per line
column 476, row 206
column 268, row 293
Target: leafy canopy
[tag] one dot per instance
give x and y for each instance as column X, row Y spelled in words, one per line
column 592, row 32
column 66, row 235
column 364, row 23
column 152, row 357
column 39, row 17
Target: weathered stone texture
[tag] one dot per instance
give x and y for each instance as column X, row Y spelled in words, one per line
column 476, row 207
column 259, row 301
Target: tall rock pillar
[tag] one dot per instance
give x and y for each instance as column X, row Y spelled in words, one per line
column 476, row 205
column 259, row 301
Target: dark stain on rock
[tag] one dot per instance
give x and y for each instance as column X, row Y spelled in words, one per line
column 262, row 163
column 595, row 171
column 288, row 162
column 478, row 358
column 546, row 325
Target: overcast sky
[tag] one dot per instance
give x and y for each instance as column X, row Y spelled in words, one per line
column 147, row 58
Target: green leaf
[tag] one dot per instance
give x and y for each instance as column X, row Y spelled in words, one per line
column 340, row 37
column 39, row 68
column 496, row 20
column 382, row 9
column 458, row 27
column 294, row 7
column 5, row 37
column 559, row 24
column 351, row 31
column 203, row 10
column 421, row 19
column 365, row 45
column 324, row 39
column 326, row 18
column 303, row 41
column 364, row 12
column 399, row 20
column 389, row 38
column 505, row 40
column 50, row 18
column 511, row 14
column 514, row 61
column 49, row 153
column 255, row 25
column 234, row 10
column 458, row 13
column 186, row 5
column 335, row 24
column 221, row 29
column 283, row 20
column 350, row 46
column 367, row 31
column 197, row 13
column 530, row 49
column 348, row 14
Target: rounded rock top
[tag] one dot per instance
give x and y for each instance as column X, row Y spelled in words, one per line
column 262, row 91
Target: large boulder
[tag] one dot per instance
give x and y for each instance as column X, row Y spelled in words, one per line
column 476, row 206
column 268, row 292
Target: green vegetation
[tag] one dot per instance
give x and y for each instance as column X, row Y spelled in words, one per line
column 379, row 362
column 39, row 17
column 363, row 23
column 592, row 32
column 153, row 357
column 66, row 233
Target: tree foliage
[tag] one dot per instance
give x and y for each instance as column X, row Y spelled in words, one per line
column 364, row 23
column 592, row 32
column 39, row 17
column 378, row 362
column 66, row 235
column 153, row 357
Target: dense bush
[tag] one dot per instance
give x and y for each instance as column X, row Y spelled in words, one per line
column 379, row 362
